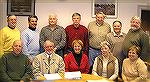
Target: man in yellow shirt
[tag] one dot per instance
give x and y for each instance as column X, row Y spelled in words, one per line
column 8, row 35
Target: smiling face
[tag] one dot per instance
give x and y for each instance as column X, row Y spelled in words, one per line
column 48, row 47
column 12, row 21
column 105, row 50
column 117, row 27
column 33, row 22
column 52, row 19
column 132, row 54
column 77, row 48
column 76, row 20
column 135, row 22
column 100, row 18
column 17, row 47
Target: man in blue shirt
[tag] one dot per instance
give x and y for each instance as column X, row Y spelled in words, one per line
column 30, row 38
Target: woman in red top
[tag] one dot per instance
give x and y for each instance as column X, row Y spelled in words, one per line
column 76, row 60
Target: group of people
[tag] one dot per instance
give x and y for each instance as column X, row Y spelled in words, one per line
column 94, row 50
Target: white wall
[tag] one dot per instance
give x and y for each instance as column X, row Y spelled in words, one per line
column 65, row 8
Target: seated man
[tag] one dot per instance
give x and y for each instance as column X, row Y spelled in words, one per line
column 15, row 66
column 48, row 62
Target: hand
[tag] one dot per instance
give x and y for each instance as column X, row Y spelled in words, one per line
column 21, row 81
column 41, row 77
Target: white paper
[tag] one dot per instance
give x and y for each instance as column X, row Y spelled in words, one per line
column 102, row 80
column 52, row 76
column 73, row 75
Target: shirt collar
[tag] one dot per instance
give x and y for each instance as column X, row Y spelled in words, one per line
column 47, row 55
column 115, row 35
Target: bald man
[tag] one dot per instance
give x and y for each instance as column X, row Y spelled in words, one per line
column 48, row 62
column 55, row 33
column 15, row 66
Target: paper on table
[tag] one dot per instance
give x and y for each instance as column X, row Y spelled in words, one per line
column 73, row 75
column 102, row 80
column 54, row 76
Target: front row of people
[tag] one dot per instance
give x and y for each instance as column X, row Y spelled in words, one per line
column 16, row 66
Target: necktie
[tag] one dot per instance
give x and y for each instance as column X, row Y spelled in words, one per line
column 49, row 63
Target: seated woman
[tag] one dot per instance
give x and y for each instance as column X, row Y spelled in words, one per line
column 133, row 67
column 76, row 60
column 106, row 65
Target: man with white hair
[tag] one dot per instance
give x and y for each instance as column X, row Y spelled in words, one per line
column 55, row 33
column 136, row 36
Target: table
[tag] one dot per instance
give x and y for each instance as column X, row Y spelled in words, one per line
column 85, row 77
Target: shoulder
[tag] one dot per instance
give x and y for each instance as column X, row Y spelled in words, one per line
column 126, row 60
column 56, row 56
column 45, row 27
column 140, row 62
column 69, row 26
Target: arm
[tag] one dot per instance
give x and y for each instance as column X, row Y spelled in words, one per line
column 36, row 68
column 3, row 70
column 86, row 41
column 1, row 42
column 61, row 66
column 41, row 40
column 25, row 41
column 123, row 72
column 66, row 60
column 115, row 75
column 94, row 70
column 142, row 71
column 63, row 40
column 28, row 71
column 87, row 67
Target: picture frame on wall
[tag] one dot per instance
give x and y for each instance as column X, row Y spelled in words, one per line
column 108, row 7
column 21, row 7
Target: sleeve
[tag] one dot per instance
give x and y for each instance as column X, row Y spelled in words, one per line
column 36, row 68
column 123, row 72
column 108, row 39
column 86, row 41
column 63, row 40
column 142, row 69
column 4, row 77
column 94, row 71
column 24, row 38
column 61, row 66
column 1, row 42
column 87, row 67
column 145, row 46
column 66, row 60
column 115, row 75
column 42, row 39
column 28, row 73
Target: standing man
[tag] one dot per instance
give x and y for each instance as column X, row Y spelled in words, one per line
column 55, row 33
column 30, row 38
column 48, row 62
column 115, row 39
column 76, row 31
column 15, row 66
column 136, row 36
column 97, row 33
column 8, row 35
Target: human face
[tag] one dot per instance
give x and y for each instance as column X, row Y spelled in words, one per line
column 117, row 27
column 12, row 21
column 132, row 55
column 99, row 18
column 17, row 47
column 76, row 20
column 105, row 50
column 49, row 47
column 33, row 22
column 52, row 20
column 135, row 24
column 77, row 48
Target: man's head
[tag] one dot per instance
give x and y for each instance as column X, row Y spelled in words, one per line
column 48, row 47
column 52, row 19
column 17, row 47
column 12, row 21
column 76, row 17
column 100, row 16
column 117, row 26
column 135, row 22
column 32, row 20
